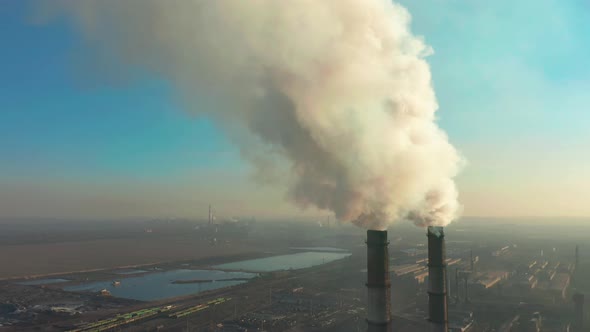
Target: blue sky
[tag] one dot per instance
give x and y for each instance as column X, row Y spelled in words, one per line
column 512, row 79
column 52, row 120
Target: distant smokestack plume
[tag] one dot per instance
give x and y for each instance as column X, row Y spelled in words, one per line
column 437, row 280
column 378, row 282
column 331, row 98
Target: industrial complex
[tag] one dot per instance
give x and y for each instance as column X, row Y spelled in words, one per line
column 396, row 280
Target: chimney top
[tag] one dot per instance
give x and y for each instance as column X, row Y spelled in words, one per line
column 377, row 238
column 437, row 231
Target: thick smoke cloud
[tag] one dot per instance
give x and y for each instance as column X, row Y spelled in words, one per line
column 337, row 90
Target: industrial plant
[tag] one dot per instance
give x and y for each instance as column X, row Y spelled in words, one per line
column 294, row 166
column 534, row 296
column 306, row 277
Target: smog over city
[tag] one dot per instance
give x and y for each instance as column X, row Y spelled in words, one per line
column 335, row 165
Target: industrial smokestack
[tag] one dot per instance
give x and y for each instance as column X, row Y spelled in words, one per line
column 437, row 276
column 577, row 256
column 449, row 289
column 378, row 283
column 457, row 298
column 466, row 284
column 209, row 214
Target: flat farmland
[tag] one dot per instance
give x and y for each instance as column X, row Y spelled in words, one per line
column 39, row 253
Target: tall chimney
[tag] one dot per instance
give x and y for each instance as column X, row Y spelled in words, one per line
column 577, row 257
column 471, row 256
column 437, row 276
column 378, row 283
column 466, row 279
column 457, row 298
column 209, row 214
column 449, row 289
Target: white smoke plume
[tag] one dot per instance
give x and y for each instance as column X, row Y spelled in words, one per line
column 337, row 90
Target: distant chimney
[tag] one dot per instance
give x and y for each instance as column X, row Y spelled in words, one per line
column 378, row 282
column 457, row 298
column 472, row 262
column 577, row 256
column 578, row 312
column 209, row 214
column 449, row 289
column 437, row 276
column 466, row 284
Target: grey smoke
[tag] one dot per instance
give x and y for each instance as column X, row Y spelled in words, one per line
column 335, row 95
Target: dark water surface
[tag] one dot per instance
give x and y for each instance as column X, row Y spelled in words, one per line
column 284, row 262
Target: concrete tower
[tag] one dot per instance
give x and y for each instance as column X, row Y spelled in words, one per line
column 437, row 280
column 577, row 256
column 378, row 282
